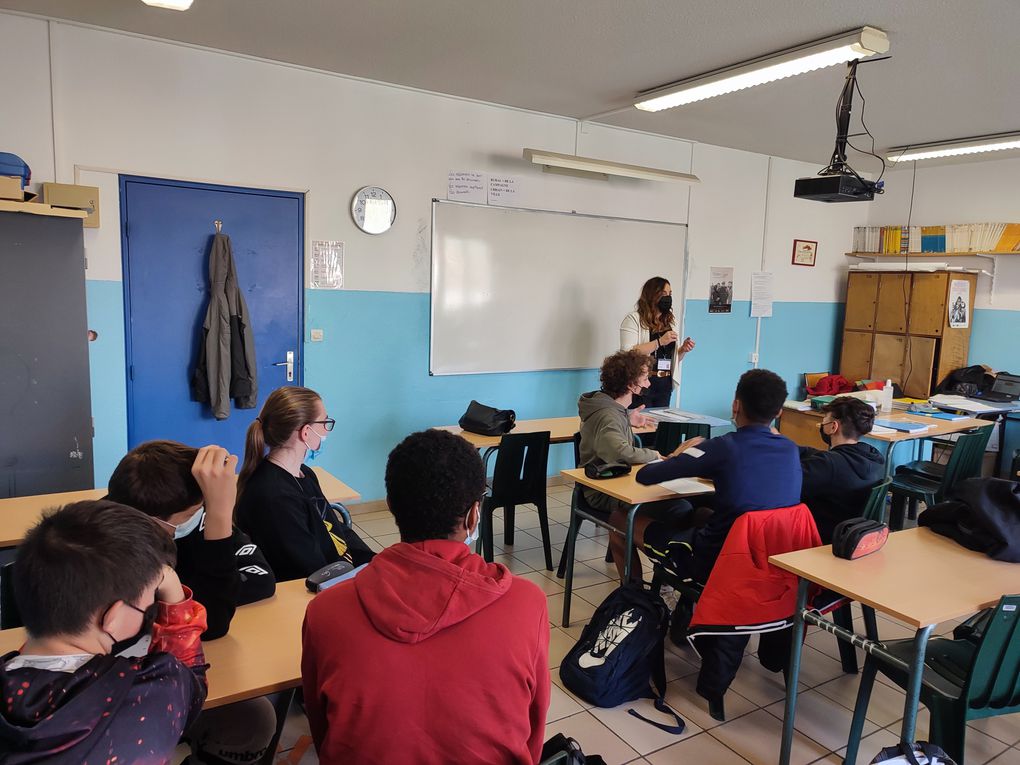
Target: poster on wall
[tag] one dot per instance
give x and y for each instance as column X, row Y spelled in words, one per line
column 761, row 294
column 326, row 271
column 720, row 290
column 959, row 303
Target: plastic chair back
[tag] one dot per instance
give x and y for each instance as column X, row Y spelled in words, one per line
column 874, row 509
column 669, row 435
column 965, row 460
column 521, row 468
column 9, row 614
column 994, row 679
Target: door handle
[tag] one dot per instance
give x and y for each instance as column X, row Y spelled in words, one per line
column 289, row 363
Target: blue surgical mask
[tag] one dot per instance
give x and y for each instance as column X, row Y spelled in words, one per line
column 182, row 530
column 313, row 453
column 473, row 535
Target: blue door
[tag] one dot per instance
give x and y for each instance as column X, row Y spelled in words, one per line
column 167, row 234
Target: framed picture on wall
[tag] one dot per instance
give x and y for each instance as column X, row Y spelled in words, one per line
column 804, row 252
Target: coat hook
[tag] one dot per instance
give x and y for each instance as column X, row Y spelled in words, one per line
column 219, row 225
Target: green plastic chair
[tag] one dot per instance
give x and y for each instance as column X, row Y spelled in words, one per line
column 962, row 680
column 910, row 488
column 669, row 435
column 935, row 470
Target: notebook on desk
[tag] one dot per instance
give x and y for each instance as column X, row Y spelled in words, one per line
column 903, row 426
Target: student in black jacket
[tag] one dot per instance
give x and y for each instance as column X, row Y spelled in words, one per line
column 191, row 493
column 280, row 502
column 837, row 482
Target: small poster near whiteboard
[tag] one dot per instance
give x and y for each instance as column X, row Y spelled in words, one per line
column 502, row 190
column 959, row 303
column 720, row 290
column 466, row 186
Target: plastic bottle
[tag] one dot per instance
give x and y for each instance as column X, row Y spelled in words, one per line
column 887, row 396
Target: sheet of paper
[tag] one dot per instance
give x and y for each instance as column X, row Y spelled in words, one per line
column 686, row 486
column 966, row 404
column 878, row 430
column 465, row 186
column 761, row 293
column 326, row 271
column 502, row 190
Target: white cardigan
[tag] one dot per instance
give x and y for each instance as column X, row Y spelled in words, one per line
column 632, row 333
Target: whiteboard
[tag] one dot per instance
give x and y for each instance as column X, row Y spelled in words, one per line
column 517, row 290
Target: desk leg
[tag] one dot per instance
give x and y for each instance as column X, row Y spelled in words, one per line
column 281, row 704
column 485, row 457
column 913, row 689
column 793, row 678
column 889, row 448
column 630, row 543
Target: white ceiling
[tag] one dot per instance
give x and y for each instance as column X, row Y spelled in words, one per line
column 954, row 72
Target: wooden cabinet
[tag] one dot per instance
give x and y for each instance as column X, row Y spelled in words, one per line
column 897, row 327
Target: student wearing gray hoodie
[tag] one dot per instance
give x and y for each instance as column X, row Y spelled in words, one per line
column 607, row 436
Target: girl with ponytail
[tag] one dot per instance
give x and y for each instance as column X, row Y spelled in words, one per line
column 280, row 503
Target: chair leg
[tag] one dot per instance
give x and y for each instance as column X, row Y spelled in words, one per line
column 543, row 522
column 870, row 622
column 948, row 730
column 568, row 553
column 898, row 511
column 861, row 709
column 843, row 617
column 609, row 554
column 486, row 533
column 508, row 525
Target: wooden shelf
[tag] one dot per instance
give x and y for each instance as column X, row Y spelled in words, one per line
column 37, row 208
column 924, row 254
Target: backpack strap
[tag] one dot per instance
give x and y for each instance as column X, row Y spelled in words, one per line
column 658, row 693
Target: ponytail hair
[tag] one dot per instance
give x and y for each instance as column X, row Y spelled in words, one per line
column 285, row 411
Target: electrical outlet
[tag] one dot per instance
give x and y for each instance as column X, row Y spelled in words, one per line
column 752, row 357
column 317, row 335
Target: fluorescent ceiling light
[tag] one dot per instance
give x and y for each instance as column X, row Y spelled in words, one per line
column 999, row 142
column 173, row 5
column 588, row 167
column 831, row 51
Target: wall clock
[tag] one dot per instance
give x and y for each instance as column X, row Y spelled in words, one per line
column 373, row 210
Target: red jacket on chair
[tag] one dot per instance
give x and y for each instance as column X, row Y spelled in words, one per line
column 744, row 589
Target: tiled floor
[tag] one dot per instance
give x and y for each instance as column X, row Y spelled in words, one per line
column 754, row 703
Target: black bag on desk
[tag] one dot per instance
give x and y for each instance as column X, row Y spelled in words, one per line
column 486, row 420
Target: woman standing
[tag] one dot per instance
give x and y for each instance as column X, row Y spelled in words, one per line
column 651, row 329
column 279, row 502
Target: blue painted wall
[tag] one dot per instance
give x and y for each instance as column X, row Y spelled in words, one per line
column 993, row 339
column 105, row 308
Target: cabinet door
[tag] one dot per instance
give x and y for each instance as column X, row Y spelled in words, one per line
column 887, row 357
column 861, row 297
column 918, row 366
column 855, row 362
column 893, row 299
column 928, row 304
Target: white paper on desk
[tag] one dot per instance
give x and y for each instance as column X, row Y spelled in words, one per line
column 761, row 294
column 686, row 486
column 881, row 430
column 963, row 404
column 465, row 186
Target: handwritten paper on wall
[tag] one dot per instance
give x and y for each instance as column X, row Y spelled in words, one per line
column 467, row 187
column 761, row 294
column 502, row 190
column 326, row 271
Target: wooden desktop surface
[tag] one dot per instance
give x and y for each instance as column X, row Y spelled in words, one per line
column 561, row 430
column 19, row 514
column 261, row 654
column 627, row 489
column 802, row 427
column 918, row 577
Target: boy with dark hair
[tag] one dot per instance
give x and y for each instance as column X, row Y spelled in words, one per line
column 191, row 493
column 465, row 643
column 837, row 482
column 607, row 437
column 89, row 578
column 753, row 468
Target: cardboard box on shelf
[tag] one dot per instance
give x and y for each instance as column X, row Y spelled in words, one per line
column 74, row 197
column 10, row 188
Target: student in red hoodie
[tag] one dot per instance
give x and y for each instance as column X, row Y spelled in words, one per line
column 431, row 655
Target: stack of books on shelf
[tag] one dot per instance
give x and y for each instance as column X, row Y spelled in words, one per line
column 953, row 237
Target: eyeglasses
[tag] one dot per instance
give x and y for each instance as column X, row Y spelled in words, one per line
column 328, row 423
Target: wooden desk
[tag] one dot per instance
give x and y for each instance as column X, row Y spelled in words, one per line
column 919, row 577
column 626, row 489
column 19, row 514
column 802, row 429
column 260, row 655
column 561, row 430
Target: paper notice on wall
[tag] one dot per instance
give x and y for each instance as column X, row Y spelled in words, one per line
column 326, row 270
column 720, row 290
column 467, row 187
column 502, row 190
column 959, row 303
column 761, row 293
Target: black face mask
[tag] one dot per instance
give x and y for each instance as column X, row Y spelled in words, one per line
column 148, row 619
column 826, row 438
column 665, row 303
